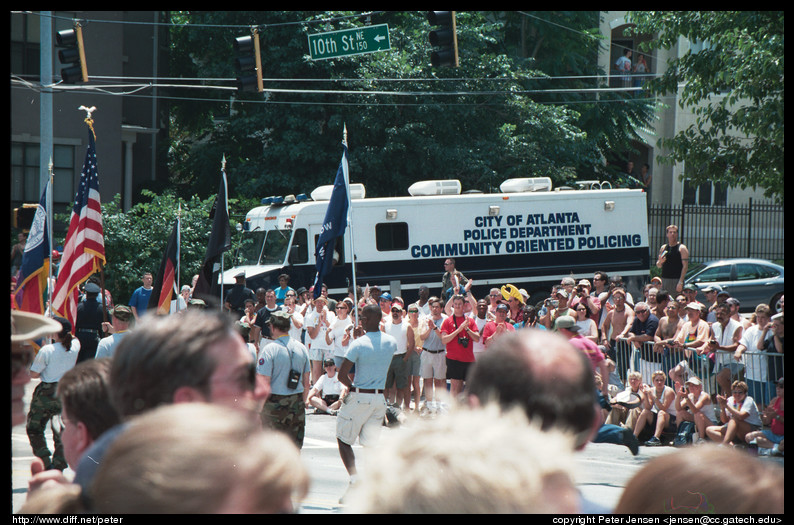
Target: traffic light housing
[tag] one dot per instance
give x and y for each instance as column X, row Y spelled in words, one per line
column 248, row 62
column 72, row 56
column 444, row 38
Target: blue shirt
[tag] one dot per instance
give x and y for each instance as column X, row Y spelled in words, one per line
column 140, row 299
column 372, row 355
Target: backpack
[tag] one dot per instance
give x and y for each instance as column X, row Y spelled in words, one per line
column 684, row 436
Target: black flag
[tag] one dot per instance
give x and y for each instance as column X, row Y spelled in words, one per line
column 220, row 241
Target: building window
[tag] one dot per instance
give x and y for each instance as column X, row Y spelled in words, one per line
column 705, row 194
column 26, row 175
column 25, row 46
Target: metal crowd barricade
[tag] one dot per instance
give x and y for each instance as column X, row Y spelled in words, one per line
column 761, row 370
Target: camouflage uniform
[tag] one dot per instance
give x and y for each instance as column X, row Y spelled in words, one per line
column 44, row 406
column 287, row 414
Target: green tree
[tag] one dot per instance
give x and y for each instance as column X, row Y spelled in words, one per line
column 135, row 240
column 483, row 122
column 734, row 85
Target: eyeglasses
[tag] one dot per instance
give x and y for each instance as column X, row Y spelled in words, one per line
column 640, row 312
column 246, row 379
column 341, row 307
column 413, row 311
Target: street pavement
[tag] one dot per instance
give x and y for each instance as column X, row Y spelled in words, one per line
column 603, row 470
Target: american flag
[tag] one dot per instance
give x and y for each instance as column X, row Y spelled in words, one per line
column 84, row 249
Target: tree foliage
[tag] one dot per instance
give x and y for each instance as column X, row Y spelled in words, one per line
column 489, row 119
column 734, row 86
column 135, row 240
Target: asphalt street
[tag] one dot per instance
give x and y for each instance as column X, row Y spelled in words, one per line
column 602, row 472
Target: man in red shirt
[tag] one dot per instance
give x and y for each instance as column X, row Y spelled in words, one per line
column 458, row 333
column 498, row 326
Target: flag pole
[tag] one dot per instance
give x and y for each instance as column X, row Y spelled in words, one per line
column 223, row 170
column 89, row 120
column 178, row 253
column 49, row 233
column 350, row 226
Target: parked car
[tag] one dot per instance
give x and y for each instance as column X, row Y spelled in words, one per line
column 751, row 281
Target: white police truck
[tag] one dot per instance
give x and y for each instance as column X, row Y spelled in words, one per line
column 530, row 235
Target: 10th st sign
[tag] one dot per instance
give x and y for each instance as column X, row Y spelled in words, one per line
column 348, row 42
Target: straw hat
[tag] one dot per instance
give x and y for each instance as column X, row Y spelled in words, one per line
column 26, row 326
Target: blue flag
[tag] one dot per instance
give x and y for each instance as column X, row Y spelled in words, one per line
column 334, row 225
column 31, row 282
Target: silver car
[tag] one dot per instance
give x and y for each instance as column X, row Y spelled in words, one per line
column 751, row 281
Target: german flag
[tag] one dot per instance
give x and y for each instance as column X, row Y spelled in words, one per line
column 164, row 287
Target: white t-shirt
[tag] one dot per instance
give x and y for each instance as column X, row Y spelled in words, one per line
column 400, row 333
column 724, row 338
column 328, row 386
column 748, row 406
column 479, row 346
column 52, row 361
column 337, row 330
column 295, row 333
column 312, row 319
column 756, row 367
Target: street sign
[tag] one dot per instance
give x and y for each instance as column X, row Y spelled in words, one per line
column 348, row 42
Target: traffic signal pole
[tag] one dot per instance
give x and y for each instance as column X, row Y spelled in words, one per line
column 45, row 98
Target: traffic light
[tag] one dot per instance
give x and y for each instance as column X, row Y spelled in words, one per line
column 444, row 38
column 22, row 217
column 72, row 57
column 248, row 62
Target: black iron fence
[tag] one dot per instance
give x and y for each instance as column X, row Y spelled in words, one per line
column 754, row 229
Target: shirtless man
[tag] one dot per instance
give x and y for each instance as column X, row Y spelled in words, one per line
column 668, row 327
column 619, row 320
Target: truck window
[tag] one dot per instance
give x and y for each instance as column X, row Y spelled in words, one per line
column 275, row 249
column 391, row 236
column 250, row 248
column 339, row 249
column 301, row 242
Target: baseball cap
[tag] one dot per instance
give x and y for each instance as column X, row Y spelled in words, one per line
column 694, row 380
column 567, row 322
column 503, row 306
column 712, row 288
column 694, row 305
column 278, row 315
column 386, row 296
column 397, row 306
column 121, row 312
column 691, row 287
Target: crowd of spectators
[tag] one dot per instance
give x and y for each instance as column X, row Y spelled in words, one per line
column 717, row 380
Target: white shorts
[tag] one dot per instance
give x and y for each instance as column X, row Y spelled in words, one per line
column 361, row 416
column 433, row 366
